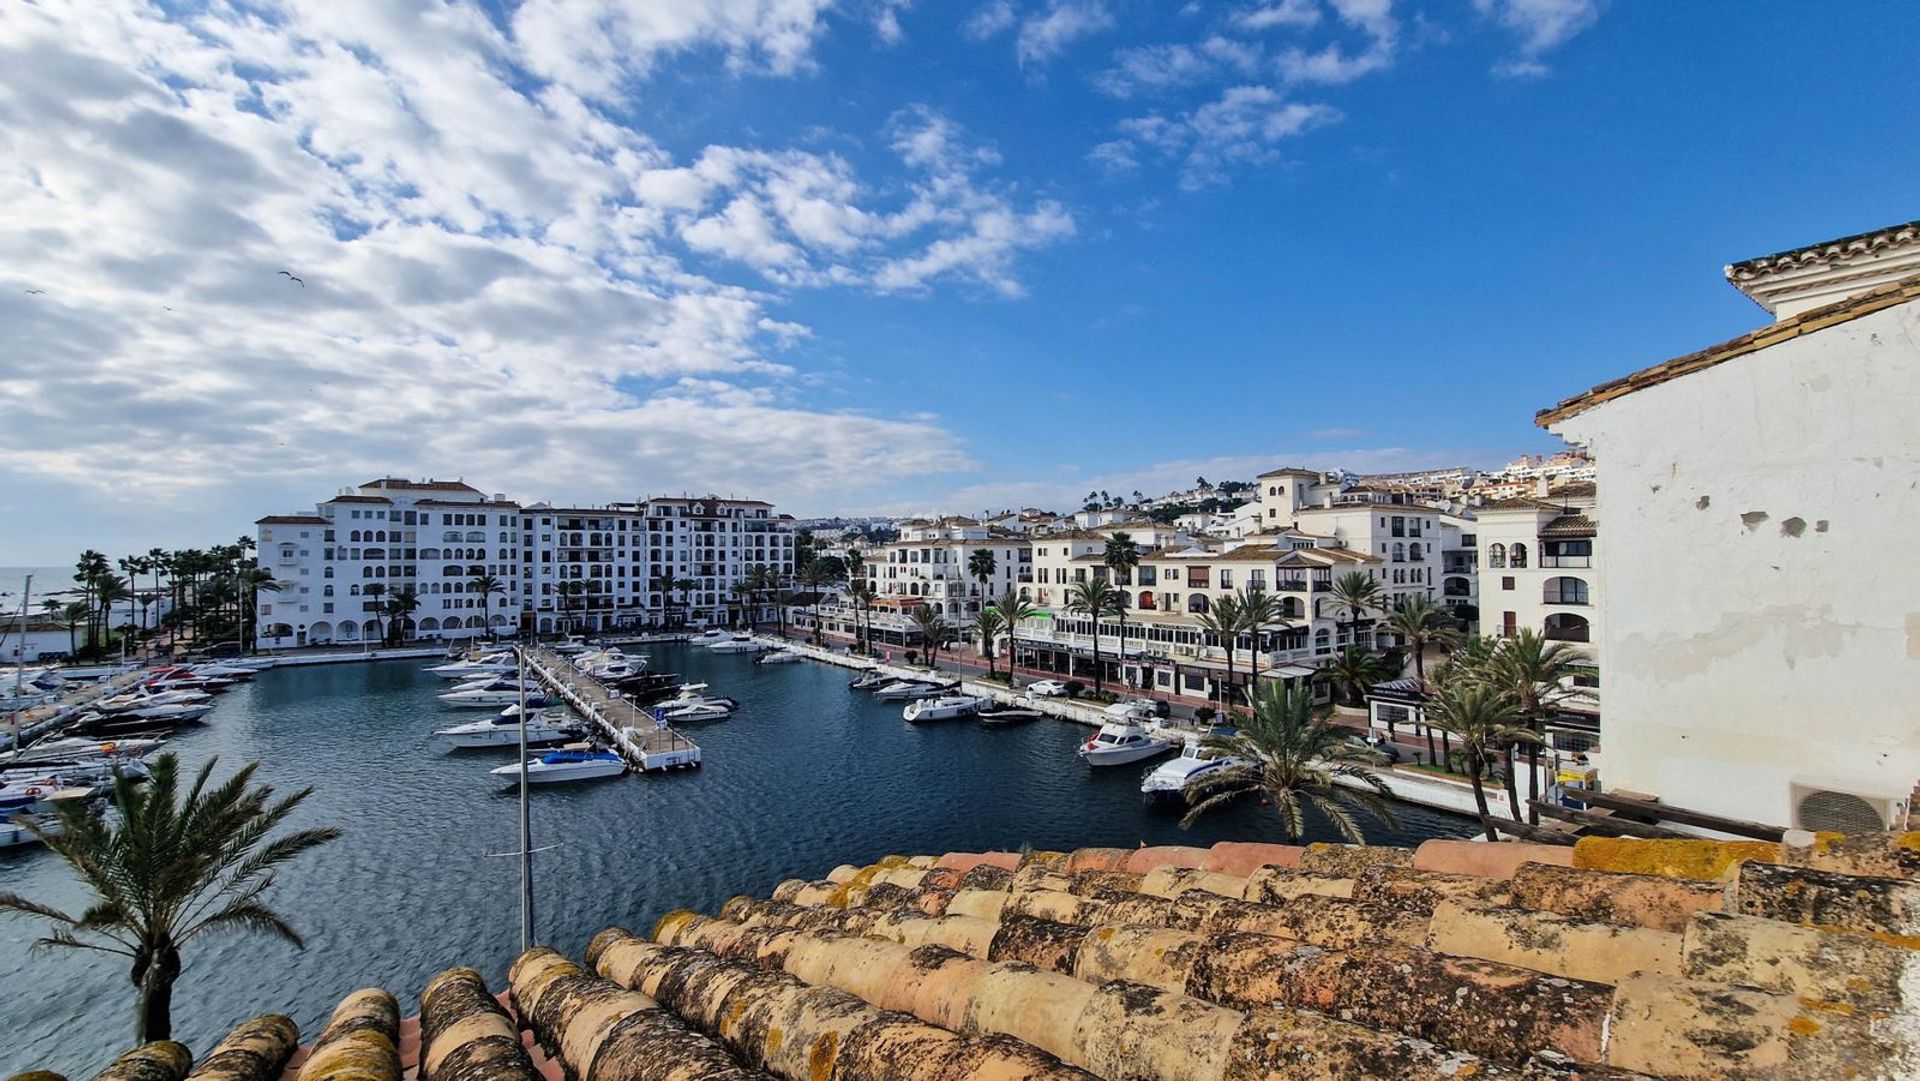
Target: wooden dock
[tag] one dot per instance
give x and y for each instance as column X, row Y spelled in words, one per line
column 629, row 729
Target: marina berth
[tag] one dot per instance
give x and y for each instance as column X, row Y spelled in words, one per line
column 1236, row 962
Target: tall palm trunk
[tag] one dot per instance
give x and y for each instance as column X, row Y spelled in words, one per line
column 1096, row 654
column 1513, row 790
column 1476, row 765
column 155, row 976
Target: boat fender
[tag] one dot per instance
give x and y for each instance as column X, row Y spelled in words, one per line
column 33, row 791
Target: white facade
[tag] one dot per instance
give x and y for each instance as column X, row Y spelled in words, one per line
column 1763, row 643
column 338, row 565
column 929, row 565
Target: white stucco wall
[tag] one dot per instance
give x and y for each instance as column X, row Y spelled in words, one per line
column 1763, row 585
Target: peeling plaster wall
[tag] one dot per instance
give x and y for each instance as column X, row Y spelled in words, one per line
column 1763, row 585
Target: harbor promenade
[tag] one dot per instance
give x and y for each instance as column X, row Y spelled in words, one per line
column 630, row 729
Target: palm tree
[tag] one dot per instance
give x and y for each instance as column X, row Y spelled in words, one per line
column 88, row 570
column 1094, row 598
column 1257, row 609
column 986, row 625
column 168, row 868
column 400, row 609
column 1358, row 592
column 1355, row 670
column 1420, row 624
column 1012, row 609
column 1481, row 716
column 981, row 565
column 783, row 599
column 486, row 585
column 108, row 589
column 254, row 581
column 934, row 631
column 71, row 615
column 684, row 586
column 860, row 591
column 1222, row 621
column 1537, row 672
column 132, row 567
column 818, row 572
column 1292, row 756
column 1122, row 555
column 758, row 580
column 377, row 591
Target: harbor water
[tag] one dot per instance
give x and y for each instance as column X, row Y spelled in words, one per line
column 806, row 776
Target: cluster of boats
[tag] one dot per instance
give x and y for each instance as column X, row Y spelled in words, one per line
column 929, row 699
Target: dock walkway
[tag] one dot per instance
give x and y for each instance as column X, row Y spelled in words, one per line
column 626, row 727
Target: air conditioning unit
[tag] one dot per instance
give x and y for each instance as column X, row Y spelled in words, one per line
column 1820, row 807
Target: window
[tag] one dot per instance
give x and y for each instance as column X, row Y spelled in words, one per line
column 1197, row 603
column 1565, row 591
column 1497, row 556
column 1399, row 552
column 1509, row 624
column 1506, row 581
column 1517, row 556
column 1226, row 578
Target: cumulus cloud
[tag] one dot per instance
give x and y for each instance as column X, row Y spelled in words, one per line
column 1287, row 13
column 1048, row 32
column 1540, row 27
column 989, row 19
column 1151, row 68
column 502, row 278
column 1243, row 126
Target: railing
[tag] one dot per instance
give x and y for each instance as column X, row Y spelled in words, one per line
column 1567, row 634
column 1566, row 562
column 1556, row 598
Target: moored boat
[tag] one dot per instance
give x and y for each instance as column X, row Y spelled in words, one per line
column 778, row 656
column 943, row 707
column 574, row 763
column 870, row 680
column 694, row 704
column 491, row 694
column 996, row 716
column 1118, row 743
column 737, row 643
column 1169, row 780
column 551, row 725
column 901, row 690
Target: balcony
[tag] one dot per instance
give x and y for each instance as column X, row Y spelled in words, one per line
column 1566, row 562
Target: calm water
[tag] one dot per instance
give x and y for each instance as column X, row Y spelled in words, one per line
column 808, row 775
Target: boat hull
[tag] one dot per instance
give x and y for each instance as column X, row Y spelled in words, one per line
column 1121, row 756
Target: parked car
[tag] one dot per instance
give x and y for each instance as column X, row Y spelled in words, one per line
column 1378, row 746
column 1047, row 688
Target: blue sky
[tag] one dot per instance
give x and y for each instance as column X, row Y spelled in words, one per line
column 872, row 255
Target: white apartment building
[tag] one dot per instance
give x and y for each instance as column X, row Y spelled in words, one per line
column 1538, row 571
column 1762, row 642
column 660, row 562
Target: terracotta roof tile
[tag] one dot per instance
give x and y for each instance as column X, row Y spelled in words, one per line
column 1809, row 322
column 292, row 519
column 1570, row 525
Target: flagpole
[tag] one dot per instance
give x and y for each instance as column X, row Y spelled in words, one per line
column 526, row 817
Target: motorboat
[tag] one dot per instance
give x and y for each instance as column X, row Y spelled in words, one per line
column 76, row 749
column 871, row 680
column 594, row 662
column 901, row 690
column 551, row 725
column 1139, row 710
column 693, row 703
column 493, row 664
column 1169, row 780
column 216, row 670
column 996, row 716
column 944, row 707
column 162, row 712
column 13, row 832
column 738, row 643
column 96, row 773
column 491, row 694
column 578, row 762
column 645, row 687
column 710, row 636
column 778, row 656
column 570, row 645
column 1118, row 743
column 143, row 698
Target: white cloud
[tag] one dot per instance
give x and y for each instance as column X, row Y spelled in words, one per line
column 594, row 47
column 500, row 277
column 1289, row 13
column 1159, row 67
column 1063, row 22
column 1540, row 27
column 989, row 19
column 1242, row 127
column 886, row 20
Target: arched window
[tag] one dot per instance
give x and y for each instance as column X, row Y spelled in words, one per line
column 353, row 590
column 1567, row 627
column 1197, row 603
column 1146, row 600
column 354, row 536
column 1497, row 556
column 1413, row 551
column 366, row 572
column 1517, row 556
column 1565, row 591
column 1399, row 552
column 326, row 591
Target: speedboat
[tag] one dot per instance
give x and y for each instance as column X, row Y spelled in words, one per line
column 493, row 693
column 493, row 664
column 551, row 725
column 83, row 749
column 901, row 690
column 645, row 687
column 97, row 773
column 738, row 643
column 570, row 645
column 1169, row 780
column 871, row 680
column 163, row 712
column 616, row 670
column 142, row 698
column 576, row 763
column 945, row 707
column 778, row 656
column 711, row 636
column 996, row 716
column 1138, row 710
column 694, row 704
column 216, row 670
column 1119, row 743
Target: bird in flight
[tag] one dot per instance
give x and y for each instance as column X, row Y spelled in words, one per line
column 289, row 276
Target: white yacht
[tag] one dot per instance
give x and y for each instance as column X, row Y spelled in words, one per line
column 710, row 636
column 141, row 699
column 693, row 703
column 493, row 664
column 901, row 690
column 870, row 680
column 78, row 749
column 996, row 716
column 1119, row 743
column 944, row 707
column 491, row 694
column 570, row 645
column 778, row 656
column 576, row 763
column 1169, row 780
column 737, row 643
column 549, row 725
